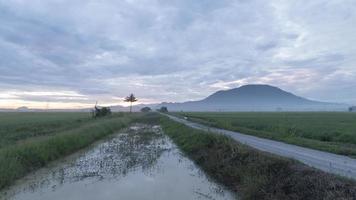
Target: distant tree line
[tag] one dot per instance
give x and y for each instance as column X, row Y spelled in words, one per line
column 105, row 111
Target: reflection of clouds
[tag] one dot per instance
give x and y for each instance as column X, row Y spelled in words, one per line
column 110, row 160
column 118, row 157
column 140, row 161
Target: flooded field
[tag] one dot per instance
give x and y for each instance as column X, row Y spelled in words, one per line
column 139, row 163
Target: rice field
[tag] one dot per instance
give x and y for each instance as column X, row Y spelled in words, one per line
column 31, row 140
column 328, row 131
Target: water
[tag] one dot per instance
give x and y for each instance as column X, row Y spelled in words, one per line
column 140, row 163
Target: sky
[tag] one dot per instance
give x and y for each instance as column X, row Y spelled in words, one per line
column 72, row 53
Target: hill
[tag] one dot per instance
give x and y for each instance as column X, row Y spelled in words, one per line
column 254, row 98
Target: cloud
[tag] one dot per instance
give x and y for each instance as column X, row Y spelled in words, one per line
column 174, row 50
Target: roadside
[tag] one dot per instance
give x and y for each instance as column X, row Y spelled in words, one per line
column 254, row 174
column 328, row 162
column 332, row 132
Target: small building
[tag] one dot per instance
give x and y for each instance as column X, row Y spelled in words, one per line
column 352, row 109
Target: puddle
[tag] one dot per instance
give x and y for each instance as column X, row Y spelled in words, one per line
column 139, row 163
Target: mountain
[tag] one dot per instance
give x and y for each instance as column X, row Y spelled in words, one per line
column 254, row 98
column 244, row 98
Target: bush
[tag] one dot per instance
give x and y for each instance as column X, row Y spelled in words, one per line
column 145, row 109
column 101, row 112
column 163, row 109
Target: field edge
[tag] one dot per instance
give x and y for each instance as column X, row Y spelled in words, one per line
column 254, row 174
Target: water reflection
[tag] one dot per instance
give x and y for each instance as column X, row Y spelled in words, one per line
column 141, row 163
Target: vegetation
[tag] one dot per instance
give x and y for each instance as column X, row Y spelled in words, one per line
column 255, row 175
column 146, row 109
column 38, row 138
column 31, row 140
column 328, row 131
column 163, row 109
column 131, row 98
column 15, row 127
column 101, row 112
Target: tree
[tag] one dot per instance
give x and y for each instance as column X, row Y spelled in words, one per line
column 145, row 109
column 131, row 99
column 163, row 109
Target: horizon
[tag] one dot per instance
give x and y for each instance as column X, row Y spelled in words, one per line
column 173, row 51
column 198, row 100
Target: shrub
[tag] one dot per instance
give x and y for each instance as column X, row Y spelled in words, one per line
column 145, row 109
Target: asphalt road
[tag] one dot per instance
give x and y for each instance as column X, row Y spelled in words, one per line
column 328, row 162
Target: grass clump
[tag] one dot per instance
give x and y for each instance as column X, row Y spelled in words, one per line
column 34, row 152
column 327, row 131
column 253, row 174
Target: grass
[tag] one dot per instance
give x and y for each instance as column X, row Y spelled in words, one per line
column 32, row 140
column 50, row 136
column 15, row 127
column 253, row 174
column 327, row 131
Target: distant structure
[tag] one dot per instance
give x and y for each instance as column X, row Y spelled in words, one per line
column 100, row 111
column 352, row 109
column 146, row 109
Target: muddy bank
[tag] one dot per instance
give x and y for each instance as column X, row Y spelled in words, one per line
column 139, row 163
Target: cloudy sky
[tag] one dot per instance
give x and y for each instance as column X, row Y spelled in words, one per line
column 70, row 53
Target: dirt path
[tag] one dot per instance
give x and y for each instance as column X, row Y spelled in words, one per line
column 328, row 162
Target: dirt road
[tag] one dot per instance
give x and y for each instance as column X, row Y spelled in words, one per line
column 332, row 163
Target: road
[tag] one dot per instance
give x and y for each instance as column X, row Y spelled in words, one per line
column 328, row 162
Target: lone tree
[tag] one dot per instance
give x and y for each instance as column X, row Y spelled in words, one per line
column 131, row 99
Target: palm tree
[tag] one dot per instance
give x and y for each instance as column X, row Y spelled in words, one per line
column 130, row 99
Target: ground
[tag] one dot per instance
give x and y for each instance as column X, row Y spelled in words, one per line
column 30, row 141
column 328, row 131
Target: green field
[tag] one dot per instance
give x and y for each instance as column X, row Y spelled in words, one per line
column 15, row 127
column 31, row 140
column 254, row 174
column 328, row 131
